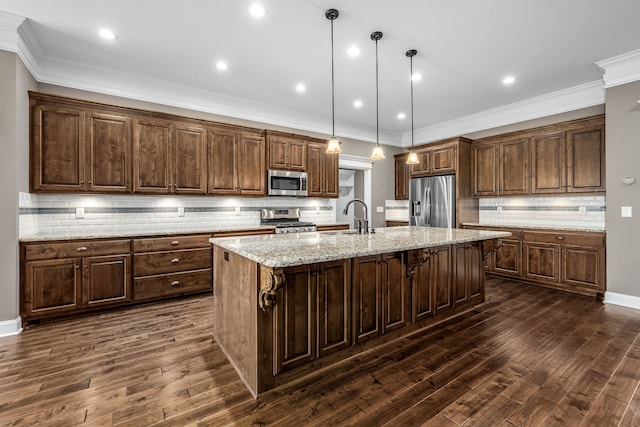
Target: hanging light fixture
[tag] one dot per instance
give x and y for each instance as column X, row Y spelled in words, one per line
column 377, row 153
column 333, row 146
column 412, row 159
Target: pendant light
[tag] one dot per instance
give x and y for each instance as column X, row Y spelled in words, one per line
column 377, row 153
column 412, row 159
column 333, row 146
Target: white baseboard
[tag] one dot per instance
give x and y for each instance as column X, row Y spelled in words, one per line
column 622, row 299
column 11, row 327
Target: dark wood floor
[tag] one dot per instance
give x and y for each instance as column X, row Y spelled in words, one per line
column 528, row 356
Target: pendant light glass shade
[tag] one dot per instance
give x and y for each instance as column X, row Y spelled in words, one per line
column 377, row 153
column 412, row 158
column 333, row 146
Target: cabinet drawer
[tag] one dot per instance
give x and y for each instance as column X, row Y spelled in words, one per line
column 80, row 248
column 165, row 285
column 595, row 240
column 170, row 262
column 155, row 244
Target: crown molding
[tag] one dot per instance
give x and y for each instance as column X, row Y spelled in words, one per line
column 582, row 96
column 9, row 24
column 621, row 69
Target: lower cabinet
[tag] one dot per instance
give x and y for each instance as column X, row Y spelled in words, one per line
column 468, row 273
column 432, row 282
column 312, row 317
column 61, row 278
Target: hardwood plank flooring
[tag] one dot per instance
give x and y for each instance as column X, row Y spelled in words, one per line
column 529, row 356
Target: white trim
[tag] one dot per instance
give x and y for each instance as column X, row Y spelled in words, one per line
column 621, row 69
column 622, row 299
column 9, row 24
column 11, row 327
column 583, row 96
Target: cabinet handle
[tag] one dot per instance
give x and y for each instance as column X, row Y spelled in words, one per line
column 85, row 266
column 173, row 261
column 89, row 182
column 175, row 283
column 559, row 237
column 175, row 242
column 77, row 266
column 81, row 249
column 81, row 182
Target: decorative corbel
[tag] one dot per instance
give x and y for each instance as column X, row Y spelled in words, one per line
column 489, row 246
column 271, row 280
column 416, row 258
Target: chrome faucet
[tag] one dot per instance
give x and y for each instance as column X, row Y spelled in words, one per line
column 362, row 225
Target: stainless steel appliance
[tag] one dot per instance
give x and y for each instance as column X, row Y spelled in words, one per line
column 432, row 201
column 285, row 220
column 287, row 183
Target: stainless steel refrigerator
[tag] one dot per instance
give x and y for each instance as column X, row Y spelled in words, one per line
column 432, row 201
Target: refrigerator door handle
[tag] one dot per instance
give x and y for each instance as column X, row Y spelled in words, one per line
column 428, row 209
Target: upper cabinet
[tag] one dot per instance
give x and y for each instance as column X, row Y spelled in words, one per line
column 286, row 152
column 439, row 160
column 402, row 176
column 568, row 157
column 322, row 169
column 77, row 150
column 152, row 156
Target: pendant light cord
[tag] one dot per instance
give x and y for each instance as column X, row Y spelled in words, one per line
column 333, row 91
column 377, row 103
column 411, row 68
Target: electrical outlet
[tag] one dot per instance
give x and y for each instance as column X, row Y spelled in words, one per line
column 79, row 213
column 180, row 211
column 237, row 210
column 626, row 212
column 317, row 209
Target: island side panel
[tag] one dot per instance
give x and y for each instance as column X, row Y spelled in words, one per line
column 235, row 308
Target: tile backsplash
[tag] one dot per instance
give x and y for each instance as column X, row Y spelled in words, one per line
column 95, row 214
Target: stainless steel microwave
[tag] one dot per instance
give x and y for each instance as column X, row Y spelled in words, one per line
column 287, row 183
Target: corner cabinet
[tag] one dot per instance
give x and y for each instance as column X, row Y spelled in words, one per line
column 322, row 169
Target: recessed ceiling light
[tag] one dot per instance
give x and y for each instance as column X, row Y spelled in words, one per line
column 357, row 103
column 353, row 51
column 508, row 80
column 402, row 116
column 300, row 88
column 107, row 34
column 416, row 77
column 257, row 10
column 221, row 65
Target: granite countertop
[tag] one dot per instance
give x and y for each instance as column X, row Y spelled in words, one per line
column 285, row 250
column 537, row 227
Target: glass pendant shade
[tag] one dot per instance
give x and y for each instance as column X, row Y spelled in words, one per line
column 377, row 153
column 412, row 159
column 333, row 146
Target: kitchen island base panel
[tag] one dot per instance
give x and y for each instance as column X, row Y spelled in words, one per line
column 258, row 348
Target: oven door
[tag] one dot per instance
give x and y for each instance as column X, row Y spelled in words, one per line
column 287, row 183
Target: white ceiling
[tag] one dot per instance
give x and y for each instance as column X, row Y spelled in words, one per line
column 167, row 50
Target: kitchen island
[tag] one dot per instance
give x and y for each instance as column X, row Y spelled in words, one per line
column 288, row 305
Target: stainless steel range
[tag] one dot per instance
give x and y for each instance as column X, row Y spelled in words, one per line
column 285, row 220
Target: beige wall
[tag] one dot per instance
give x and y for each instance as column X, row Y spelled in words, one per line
column 623, row 159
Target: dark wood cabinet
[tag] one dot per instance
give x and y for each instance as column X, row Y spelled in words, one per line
column 395, row 291
column 586, row 160
column 252, row 176
column 548, row 164
column 190, row 159
column 75, row 150
column 312, row 318
column 441, row 260
column 468, row 273
column 152, row 156
column 73, row 277
column 422, row 298
column 439, row 160
column 367, row 298
column 323, row 171
column 402, row 175
column 484, row 163
column 286, row 152
column 501, row 168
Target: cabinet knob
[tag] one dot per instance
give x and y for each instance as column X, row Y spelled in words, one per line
column 173, row 261
column 81, row 182
column 81, row 249
column 175, row 283
column 559, row 237
column 89, row 182
column 77, row 266
column 175, row 242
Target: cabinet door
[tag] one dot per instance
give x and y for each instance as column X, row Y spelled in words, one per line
column 443, row 160
column 475, row 273
column 424, row 167
column 514, row 167
column 297, row 155
column 330, row 175
column 252, row 177
column 315, row 153
column 548, row 164
column 57, row 149
column 334, row 304
column 585, row 160
column 221, row 168
column 152, row 156
column 52, row 287
column 508, row 258
column 442, row 264
column 583, row 266
column 109, row 153
column 542, row 261
column 190, row 159
column 367, row 291
column 402, row 178
column 484, row 169
column 278, row 152
column 468, row 273
column 294, row 319
column 106, row 280
column 421, row 290
column 395, row 292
